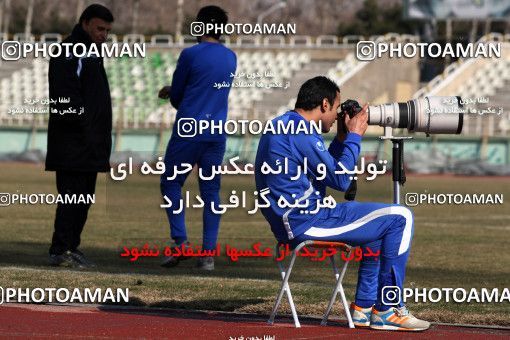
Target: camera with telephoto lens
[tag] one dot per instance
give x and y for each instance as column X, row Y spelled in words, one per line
column 431, row 115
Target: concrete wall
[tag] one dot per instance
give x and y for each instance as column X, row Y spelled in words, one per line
column 384, row 80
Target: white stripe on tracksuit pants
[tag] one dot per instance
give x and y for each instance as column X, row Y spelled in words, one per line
column 381, row 227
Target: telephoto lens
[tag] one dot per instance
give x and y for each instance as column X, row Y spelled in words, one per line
column 431, row 115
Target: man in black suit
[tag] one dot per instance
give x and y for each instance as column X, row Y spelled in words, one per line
column 79, row 139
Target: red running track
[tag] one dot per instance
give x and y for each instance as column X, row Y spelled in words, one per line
column 75, row 322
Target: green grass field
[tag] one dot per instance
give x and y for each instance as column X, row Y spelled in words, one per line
column 454, row 246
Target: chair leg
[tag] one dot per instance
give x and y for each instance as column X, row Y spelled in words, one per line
column 346, row 307
column 342, row 295
column 338, row 289
column 285, row 288
column 292, row 306
column 277, row 304
column 335, row 292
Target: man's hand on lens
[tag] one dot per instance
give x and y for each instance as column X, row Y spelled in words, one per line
column 359, row 123
column 164, row 93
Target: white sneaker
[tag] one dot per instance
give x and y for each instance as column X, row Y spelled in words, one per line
column 397, row 319
column 360, row 316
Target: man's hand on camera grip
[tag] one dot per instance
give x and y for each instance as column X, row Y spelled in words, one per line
column 359, row 123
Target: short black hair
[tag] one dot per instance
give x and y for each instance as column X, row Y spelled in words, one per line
column 96, row 11
column 212, row 15
column 313, row 91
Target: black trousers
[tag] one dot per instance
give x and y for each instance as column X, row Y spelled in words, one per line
column 70, row 218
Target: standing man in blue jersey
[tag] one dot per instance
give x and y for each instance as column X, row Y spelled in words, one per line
column 194, row 96
column 384, row 228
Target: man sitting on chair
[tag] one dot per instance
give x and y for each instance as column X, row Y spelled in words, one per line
column 384, row 228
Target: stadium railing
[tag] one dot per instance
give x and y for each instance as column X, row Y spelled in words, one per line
column 133, row 38
column 51, row 38
column 327, row 40
column 169, row 40
column 162, row 40
column 136, row 81
column 22, row 37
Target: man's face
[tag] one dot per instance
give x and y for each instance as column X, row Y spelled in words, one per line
column 328, row 117
column 97, row 29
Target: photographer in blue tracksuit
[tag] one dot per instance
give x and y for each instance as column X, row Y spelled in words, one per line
column 196, row 99
column 384, row 228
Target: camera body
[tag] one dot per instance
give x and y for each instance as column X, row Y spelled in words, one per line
column 350, row 107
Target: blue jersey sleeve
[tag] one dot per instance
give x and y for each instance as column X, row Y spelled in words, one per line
column 180, row 79
column 346, row 153
column 348, row 149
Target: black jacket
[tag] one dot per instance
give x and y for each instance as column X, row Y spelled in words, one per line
column 79, row 142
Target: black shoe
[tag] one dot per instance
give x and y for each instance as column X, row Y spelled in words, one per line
column 172, row 261
column 65, row 260
column 80, row 258
column 206, row 263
